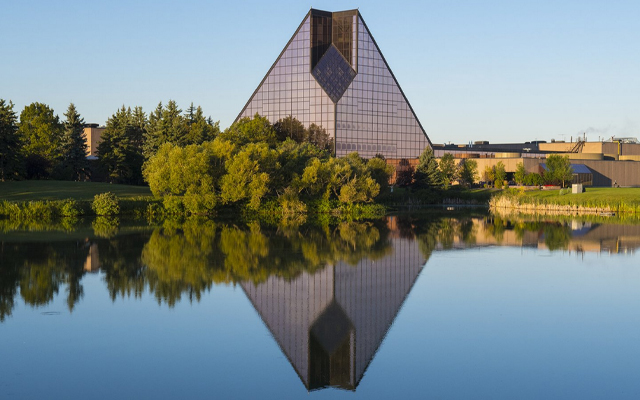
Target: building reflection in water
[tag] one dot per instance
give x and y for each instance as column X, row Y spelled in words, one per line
column 330, row 323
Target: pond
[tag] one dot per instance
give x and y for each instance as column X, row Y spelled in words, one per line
column 439, row 306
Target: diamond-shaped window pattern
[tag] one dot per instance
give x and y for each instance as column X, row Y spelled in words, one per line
column 334, row 73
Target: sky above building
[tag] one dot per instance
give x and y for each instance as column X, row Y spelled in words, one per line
column 501, row 71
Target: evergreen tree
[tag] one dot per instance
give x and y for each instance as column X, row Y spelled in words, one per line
column 427, row 173
column 120, row 151
column 10, row 146
column 200, row 129
column 73, row 146
column 166, row 125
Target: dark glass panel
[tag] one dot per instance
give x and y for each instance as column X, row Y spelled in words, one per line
column 320, row 35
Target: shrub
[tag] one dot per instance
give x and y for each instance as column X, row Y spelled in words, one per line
column 291, row 204
column 105, row 204
column 38, row 209
column 69, row 208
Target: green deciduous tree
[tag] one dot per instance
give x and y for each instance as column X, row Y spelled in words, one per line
column 41, row 133
column 533, row 179
column 468, row 171
column 251, row 130
column 10, row 145
column 319, row 136
column 249, row 174
column 520, row 174
column 380, row 171
column 488, row 175
column 290, row 128
column 559, row 169
column 73, row 146
column 293, row 158
column 500, row 174
column 192, row 171
column 448, row 169
column 404, row 173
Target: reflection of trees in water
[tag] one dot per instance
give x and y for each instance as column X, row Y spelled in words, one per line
column 557, row 236
column 9, row 278
column 179, row 258
column 119, row 259
column 185, row 258
column 105, row 227
column 189, row 258
column 39, row 270
column 64, row 224
column 443, row 232
column 496, row 227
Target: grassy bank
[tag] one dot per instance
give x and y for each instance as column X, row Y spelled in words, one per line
column 403, row 198
column 49, row 201
column 21, row 191
column 620, row 200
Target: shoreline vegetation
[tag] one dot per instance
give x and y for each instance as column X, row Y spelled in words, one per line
column 624, row 202
column 56, row 200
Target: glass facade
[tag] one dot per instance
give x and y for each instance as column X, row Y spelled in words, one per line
column 332, row 73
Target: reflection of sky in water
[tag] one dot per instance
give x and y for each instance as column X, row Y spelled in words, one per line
column 491, row 322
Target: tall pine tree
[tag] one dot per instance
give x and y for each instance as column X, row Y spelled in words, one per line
column 73, row 146
column 427, row 172
column 120, row 151
column 166, row 125
column 10, row 146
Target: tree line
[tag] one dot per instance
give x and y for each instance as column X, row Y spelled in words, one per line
column 431, row 173
column 39, row 145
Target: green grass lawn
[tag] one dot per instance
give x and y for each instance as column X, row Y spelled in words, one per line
column 60, row 190
column 591, row 196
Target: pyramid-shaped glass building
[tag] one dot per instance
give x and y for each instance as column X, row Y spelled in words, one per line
column 332, row 74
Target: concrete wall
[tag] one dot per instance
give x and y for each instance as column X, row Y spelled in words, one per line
column 605, row 173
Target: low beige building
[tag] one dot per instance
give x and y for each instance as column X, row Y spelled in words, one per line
column 614, row 162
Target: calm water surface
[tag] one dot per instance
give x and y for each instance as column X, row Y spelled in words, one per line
column 464, row 307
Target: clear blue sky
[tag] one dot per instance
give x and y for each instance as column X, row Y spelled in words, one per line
column 502, row 71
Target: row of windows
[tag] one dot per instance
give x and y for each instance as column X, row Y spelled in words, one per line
column 365, row 147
